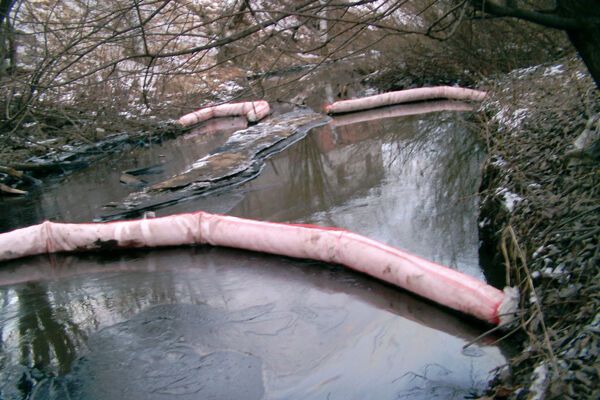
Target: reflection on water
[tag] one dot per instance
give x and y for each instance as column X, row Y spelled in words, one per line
column 80, row 196
column 410, row 182
column 202, row 322
column 180, row 321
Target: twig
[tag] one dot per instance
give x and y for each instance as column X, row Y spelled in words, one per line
column 563, row 223
column 490, row 331
column 536, row 303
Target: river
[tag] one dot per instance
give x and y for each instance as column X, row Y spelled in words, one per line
column 204, row 322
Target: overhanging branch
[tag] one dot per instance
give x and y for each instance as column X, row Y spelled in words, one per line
column 546, row 19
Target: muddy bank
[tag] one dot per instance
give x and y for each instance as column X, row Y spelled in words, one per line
column 539, row 222
column 32, row 164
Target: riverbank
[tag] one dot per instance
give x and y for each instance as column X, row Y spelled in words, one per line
column 540, row 223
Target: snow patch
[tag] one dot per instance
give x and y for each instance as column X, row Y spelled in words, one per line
column 540, row 382
column 199, row 163
column 229, row 89
column 539, row 251
column 499, row 162
column 370, row 92
column 510, row 199
column 48, row 141
column 523, row 73
column 532, row 298
column 518, row 117
column 554, row 70
column 510, row 119
column 555, row 272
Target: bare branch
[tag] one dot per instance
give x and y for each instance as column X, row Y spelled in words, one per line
column 545, row 19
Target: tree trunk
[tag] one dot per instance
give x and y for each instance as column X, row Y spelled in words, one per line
column 587, row 43
column 7, row 49
column 5, row 7
column 579, row 18
column 586, row 39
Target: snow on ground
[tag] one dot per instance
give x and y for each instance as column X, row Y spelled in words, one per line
column 554, row 70
column 510, row 119
column 229, row 90
column 511, row 200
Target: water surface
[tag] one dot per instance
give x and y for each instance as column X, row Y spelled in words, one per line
column 219, row 323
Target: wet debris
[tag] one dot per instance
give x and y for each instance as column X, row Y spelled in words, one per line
column 132, row 176
column 14, row 182
column 66, row 158
column 155, row 169
column 129, row 179
column 20, row 175
column 9, row 190
column 238, row 160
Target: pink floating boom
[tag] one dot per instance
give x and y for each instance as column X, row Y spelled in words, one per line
column 425, row 278
column 252, row 110
column 404, row 96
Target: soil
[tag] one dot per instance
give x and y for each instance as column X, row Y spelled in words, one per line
column 540, row 221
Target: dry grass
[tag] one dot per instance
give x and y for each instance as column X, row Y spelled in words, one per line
column 549, row 242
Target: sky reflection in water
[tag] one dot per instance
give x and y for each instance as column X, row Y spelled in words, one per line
column 189, row 322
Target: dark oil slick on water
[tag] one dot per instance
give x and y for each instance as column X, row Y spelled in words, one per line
column 220, row 323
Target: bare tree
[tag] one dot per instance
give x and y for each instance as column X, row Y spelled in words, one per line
column 76, row 53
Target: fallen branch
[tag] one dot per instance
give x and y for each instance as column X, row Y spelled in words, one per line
column 252, row 110
column 130, row 179
column 8, row 190
column 18, row 175
column 441, row 284
column 47, row 168
column 11, row 172
column 404, row 96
